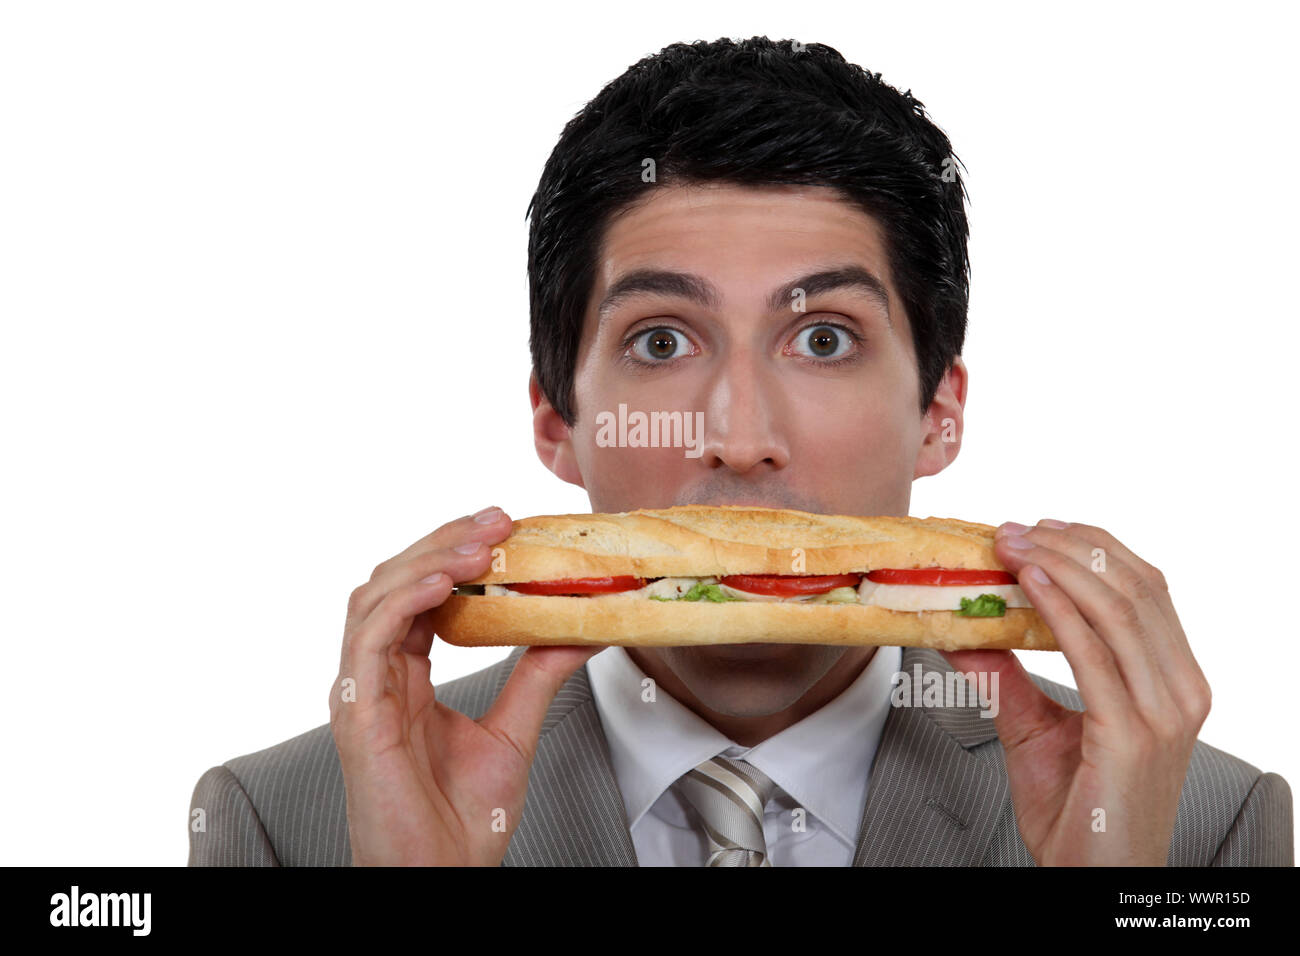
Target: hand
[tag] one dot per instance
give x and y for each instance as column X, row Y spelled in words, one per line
column 425, row 784
column 1146, row 699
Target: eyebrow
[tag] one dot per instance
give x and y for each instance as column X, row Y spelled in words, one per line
column 693, row 288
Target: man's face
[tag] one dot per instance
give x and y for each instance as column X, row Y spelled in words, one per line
column 813, row 409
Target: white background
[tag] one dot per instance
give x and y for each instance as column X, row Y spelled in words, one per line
column 264, row 303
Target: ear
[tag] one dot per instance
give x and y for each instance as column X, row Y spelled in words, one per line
column 552, row 437
column 943, row 422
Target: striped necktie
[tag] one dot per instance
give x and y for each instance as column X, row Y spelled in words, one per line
column 729, row 795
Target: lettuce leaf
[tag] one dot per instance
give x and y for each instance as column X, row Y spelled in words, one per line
column 700, row 592
column 986, row 605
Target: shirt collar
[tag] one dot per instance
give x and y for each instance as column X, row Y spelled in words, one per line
column 822, row 762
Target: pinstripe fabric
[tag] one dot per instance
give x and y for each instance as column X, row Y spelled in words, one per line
column 938, row 794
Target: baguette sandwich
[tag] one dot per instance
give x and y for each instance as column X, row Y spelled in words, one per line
column 726, row 574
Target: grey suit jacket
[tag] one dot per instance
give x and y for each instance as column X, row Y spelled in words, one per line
column 938, row 793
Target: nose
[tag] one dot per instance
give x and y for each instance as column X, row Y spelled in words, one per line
column 743, row 416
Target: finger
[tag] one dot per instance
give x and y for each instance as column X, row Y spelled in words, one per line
column 1112, row 619
column 478, row 527
column 463, row 562
column 1096, row 672
column 424, row 569
column 1189, row 679
column 419, row 687
column 1111, row 571
column 1113, row 564
column 1021, row 709
column 1087, row 539
column 419, row 639
column 366, row 654
column 489, row 526
column 1099, row 537
column 518, row 712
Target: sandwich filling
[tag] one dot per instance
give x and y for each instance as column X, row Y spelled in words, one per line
column 972, row 593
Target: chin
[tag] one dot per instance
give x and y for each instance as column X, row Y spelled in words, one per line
column 751, row 680
column 793, row 656
column 749, row 652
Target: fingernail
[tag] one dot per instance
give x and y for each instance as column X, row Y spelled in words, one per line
column 1038, row 574
column 1052, row 523
column 1011, row 527
column 433, row 578
column 487, row 515
column 1019, row 543
column 468, row 548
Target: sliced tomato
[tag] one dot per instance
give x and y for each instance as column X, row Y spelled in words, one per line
column 789, row 585
column 940, row 576
column 620, row 582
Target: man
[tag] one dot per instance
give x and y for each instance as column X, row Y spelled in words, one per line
column 768, row 235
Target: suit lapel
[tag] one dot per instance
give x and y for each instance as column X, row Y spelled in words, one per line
column 573, row 814
column 931, row 801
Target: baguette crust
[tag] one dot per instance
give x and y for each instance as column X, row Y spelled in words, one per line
column 477, row 621
column 697, row 541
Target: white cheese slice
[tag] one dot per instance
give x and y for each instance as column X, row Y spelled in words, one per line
column 932, row 597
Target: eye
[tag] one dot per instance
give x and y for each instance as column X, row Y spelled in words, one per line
column 657, row 345
column 826, row 341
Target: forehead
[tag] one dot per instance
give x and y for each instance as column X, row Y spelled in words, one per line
column 754, row 233
column 746, row 245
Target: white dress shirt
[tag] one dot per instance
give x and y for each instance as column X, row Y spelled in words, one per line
column 820, row 764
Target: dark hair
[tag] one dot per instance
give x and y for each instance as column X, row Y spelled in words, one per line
column 752, row 113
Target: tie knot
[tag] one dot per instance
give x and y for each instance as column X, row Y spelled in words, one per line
column 759, row 782
column 729, row 794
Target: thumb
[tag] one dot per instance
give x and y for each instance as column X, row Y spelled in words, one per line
column 520, row 708
column 1021, row 711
